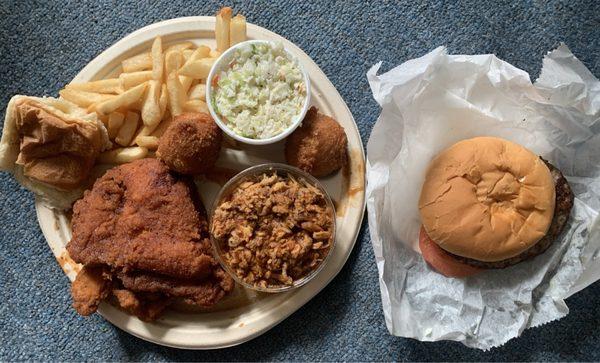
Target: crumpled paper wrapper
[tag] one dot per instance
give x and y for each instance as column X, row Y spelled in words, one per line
column 428, row 104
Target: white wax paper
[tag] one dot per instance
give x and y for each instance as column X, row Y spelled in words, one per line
column 430, row 103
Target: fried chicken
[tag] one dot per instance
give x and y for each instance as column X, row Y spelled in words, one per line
column 139, row 217
column 91, row 286
column 191, row 144
column 318, row 146
column 147, row 307
column 205, row 293
column 147, row 232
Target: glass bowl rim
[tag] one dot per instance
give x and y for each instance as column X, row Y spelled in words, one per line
column 254, row 171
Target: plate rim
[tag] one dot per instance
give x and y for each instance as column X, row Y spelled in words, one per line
column 104, row 58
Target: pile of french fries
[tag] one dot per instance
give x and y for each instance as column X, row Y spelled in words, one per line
column 137, row 106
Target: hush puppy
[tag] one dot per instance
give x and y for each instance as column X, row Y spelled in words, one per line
column 318, row 146
column 191, row 144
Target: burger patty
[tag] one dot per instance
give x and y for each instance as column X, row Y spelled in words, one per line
column 562, row 210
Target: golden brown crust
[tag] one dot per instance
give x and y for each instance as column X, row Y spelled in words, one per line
column 191, row 144
column 149, row 230
column 91, row 286
column 147, row 307
column 562, row 210
column 138, row 216
column 487, row 199
column 318, row 146
column 206, row 292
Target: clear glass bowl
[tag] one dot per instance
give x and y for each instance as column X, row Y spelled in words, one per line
column 254, row 172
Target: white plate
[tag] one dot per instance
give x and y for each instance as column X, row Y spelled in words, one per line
column 243, row 315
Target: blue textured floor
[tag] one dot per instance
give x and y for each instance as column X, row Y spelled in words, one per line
column 44, row 44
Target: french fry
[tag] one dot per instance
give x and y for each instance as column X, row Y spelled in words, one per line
column 128, row 98
column 163, row 101
column 83, row 98
column 201, row 52
column 156, row 130
column 149, row 142
column 187, row 53
column 197, row 92
column 151, row 113
column 126, row 132
column 115, row 121
column 222, row 28
column 195, row 106
column 178, row 47
column 111, row 85
column 163, row 126
column 129, row 80
column 157, row 59
column 122, row 155
column 214, row 53
column 237, row 30
column 173, row 61
column 138, row 62
column 186, row 83
column 197, row 69
column 176, row 94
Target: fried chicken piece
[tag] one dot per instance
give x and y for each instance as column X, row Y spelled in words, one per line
column 318, row 146
column 139, row 217
column 203, row 293
column 191, row 144
column 147, row 307
column 91, row 286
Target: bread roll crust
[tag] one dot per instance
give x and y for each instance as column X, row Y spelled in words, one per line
column 50, row 145
column 487, row 199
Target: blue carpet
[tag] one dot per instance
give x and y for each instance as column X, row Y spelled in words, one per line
column 43, row 44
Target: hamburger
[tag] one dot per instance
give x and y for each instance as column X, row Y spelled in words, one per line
column 488, row 203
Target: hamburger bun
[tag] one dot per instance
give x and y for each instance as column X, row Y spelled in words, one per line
column 487, row 200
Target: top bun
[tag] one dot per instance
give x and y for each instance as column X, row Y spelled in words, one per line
column 487, row 199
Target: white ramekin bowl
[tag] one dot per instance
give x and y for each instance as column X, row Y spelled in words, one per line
column 221, row 63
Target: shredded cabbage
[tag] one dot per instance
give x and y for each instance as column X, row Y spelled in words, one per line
column 261, row 93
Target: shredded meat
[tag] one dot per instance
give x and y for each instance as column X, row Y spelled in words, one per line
column 274, row 230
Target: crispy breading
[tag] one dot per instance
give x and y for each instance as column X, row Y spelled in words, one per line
column 147, row 307
column 148, row 230
column 191, row 144
column 139, row 217
column 91, row 286
column 318, row 146
column 203, row 293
